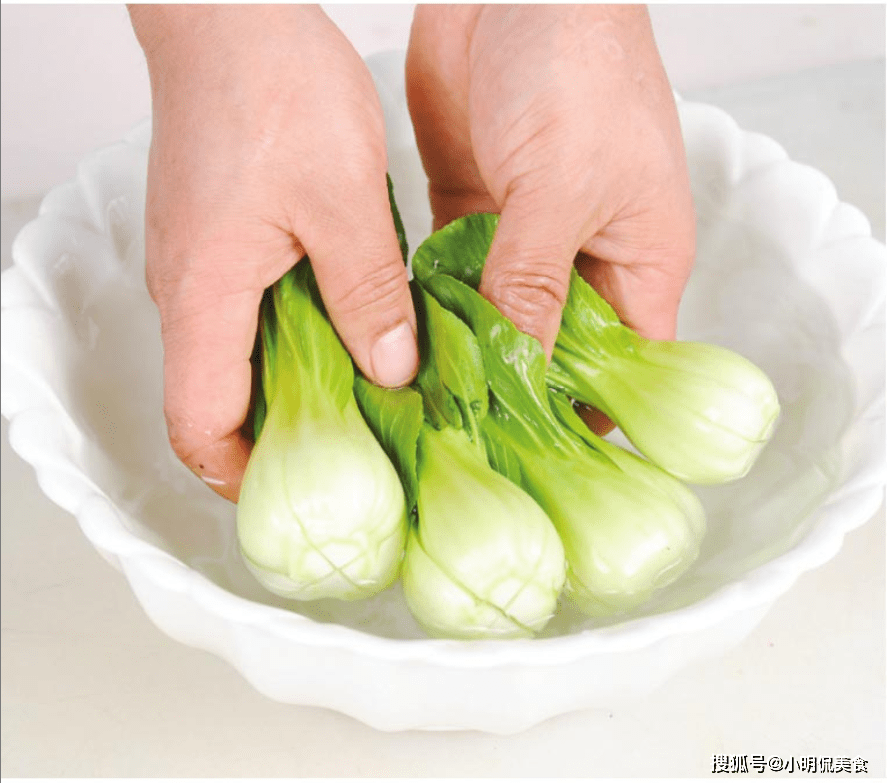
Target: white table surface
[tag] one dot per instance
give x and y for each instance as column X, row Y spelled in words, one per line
column 91, row 688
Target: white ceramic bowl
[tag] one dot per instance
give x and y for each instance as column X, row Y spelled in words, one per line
column 786, row 274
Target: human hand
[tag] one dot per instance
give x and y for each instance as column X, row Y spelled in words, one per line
column 561, row 118
column 268, row 143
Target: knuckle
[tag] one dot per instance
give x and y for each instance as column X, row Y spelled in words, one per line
column 527, row 294
column 377, row 289
column 352, row 169
column 356, row 174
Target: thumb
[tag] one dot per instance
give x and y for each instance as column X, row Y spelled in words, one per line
column 208, row 379
column 527, row 271
column 364, row 285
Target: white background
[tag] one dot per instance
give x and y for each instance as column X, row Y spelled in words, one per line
column 90, row 687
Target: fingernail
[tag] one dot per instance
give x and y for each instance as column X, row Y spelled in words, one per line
column 394, row 357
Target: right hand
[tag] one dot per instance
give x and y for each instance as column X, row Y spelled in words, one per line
column 268, row 143
column 561, row 119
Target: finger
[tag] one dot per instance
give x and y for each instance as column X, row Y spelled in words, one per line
column 363, row 282
column 527, row 271
column 646, row 299
column 449, row 204
column 208, row 338
column 437, row 77
column 642, row 267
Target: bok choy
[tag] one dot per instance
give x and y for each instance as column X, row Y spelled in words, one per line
column 479, row 484
column 482, row 558
column 322, row 512
column 627, row 527
column 701, row 412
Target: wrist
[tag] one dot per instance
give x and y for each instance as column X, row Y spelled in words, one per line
column 565, row 23
column 163, row 30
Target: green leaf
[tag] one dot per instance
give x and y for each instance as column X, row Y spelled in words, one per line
column 452, row 376
column 299, row 346
column 721, row 409
column 398, row 222
column 514, row 363
column 459, row 249
column 305, row 342
column 265, row 356
column 396, row 418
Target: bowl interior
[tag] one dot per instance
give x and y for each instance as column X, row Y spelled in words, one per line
column 749, row 292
